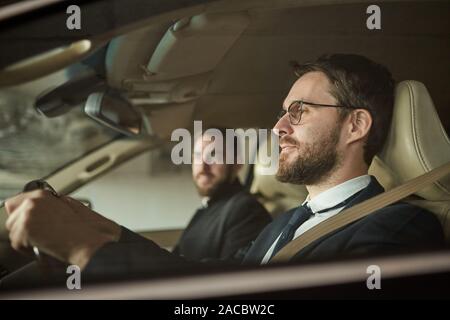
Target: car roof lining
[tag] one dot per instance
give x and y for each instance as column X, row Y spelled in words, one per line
column 251, row 73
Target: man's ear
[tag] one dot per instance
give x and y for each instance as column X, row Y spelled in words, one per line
column 360, row 124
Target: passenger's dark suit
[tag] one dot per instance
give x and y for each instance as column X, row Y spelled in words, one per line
column 398, row 227
column 232, row 219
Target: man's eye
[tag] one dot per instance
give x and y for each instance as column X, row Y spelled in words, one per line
column 295, row 106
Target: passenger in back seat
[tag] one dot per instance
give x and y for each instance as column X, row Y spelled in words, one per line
column 230, row 217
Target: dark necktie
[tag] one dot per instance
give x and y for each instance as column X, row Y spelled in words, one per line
column 301, row 215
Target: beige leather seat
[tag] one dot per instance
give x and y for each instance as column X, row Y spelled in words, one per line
column 417, row 143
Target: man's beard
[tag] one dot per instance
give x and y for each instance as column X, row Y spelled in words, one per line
column 217, row 186
column 313, row 163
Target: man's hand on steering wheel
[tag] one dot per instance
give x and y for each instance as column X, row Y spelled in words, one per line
column 61, row 227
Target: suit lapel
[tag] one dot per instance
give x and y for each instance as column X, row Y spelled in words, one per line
column 374, row 188
column 268, row 236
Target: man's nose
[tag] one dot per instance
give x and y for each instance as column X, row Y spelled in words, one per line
column 205, row 166
column 283, row 126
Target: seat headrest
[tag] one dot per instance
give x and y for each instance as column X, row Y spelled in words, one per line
column 416, row 143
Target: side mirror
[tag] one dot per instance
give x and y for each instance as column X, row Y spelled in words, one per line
column 111, row 109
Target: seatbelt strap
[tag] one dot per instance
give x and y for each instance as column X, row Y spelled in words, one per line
column 359, row 211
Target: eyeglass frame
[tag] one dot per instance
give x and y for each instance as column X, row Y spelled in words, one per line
column 283, row 112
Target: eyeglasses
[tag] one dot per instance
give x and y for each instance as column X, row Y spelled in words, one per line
column 295, row 110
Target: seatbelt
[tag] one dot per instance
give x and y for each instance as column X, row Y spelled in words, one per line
column 359, row 211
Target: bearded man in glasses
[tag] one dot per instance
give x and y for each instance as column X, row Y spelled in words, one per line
column 333, row 122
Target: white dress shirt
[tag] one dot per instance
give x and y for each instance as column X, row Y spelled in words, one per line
column 205, row 201
column 327, row 199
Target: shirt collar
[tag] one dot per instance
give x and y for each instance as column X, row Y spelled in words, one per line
column 205, row 201
column 335, row 195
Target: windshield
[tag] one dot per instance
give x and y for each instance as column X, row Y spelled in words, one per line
column 33, row 146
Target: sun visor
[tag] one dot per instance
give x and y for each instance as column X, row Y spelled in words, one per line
column 195, row 45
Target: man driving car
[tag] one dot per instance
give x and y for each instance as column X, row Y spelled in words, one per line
column 333, row 121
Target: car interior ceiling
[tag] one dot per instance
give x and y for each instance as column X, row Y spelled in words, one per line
column 234, row 60
column 244, row 69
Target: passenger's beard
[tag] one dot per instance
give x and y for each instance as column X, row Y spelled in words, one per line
column 217, row 186
column 311, row 163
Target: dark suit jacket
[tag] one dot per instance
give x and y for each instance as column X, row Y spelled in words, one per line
column 231, row 221
column 398, row 227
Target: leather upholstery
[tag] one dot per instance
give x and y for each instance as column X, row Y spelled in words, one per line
column 416, row 144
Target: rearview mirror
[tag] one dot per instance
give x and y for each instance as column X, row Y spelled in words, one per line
column 113, row 110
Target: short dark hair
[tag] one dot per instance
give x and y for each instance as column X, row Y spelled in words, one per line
column 359, row 83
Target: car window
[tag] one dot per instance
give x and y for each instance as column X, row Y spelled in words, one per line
column 32, row 146
column 150, row 193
